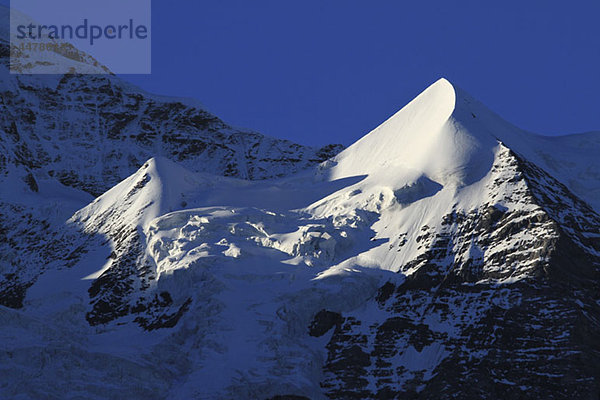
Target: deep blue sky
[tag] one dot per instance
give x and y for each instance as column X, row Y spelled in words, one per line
column 326, row 71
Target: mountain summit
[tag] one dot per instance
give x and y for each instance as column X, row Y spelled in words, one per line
column 449, row 137
column 429, row 135
column 447, row 253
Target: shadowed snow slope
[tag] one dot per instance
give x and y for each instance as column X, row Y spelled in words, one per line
column 445, row 247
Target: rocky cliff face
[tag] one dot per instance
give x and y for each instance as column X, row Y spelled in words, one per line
column 502, row 301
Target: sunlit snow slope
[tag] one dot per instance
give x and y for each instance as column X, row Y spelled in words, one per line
column 446, row 252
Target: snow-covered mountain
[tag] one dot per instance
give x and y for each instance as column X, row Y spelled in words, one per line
column 445, row 254
column 65, row 139
column 92, row 131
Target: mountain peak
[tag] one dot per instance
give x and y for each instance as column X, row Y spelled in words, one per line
column 429, row 135
column 155, row 189
column 441, row 86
